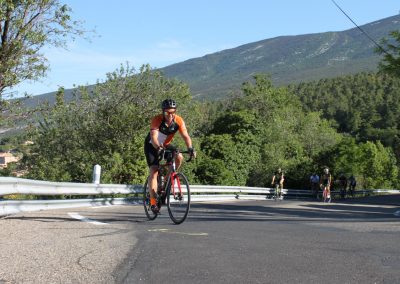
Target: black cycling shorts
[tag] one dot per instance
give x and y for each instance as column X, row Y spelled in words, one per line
column 151, row 154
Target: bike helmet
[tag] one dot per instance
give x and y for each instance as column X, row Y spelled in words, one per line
column 326, row 171
column 168, row 103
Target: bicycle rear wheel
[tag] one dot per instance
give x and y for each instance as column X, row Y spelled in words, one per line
column 178, row 198
column 146, row 202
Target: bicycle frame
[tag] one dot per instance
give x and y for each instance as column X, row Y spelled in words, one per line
column 172, row 189
column 326, row 191
column 172, row 177
column 170, row 165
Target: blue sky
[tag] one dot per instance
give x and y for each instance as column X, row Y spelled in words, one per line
column 161, row 32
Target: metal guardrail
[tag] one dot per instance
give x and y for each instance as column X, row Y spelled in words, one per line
column 10, row 186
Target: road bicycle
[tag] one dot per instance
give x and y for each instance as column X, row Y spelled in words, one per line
column 277, row 192
column 173, row 189
column 326, row 195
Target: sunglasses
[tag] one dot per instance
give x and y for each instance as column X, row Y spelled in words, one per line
column 169, row 112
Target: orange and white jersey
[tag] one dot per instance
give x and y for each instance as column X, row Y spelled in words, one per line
column 166, row 132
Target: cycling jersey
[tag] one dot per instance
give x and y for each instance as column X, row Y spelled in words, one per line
column 166, row 132
column 326, row 179
column 278, row 177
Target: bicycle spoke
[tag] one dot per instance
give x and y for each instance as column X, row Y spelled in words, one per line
column 178, row 198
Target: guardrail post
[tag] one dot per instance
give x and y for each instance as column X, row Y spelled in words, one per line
column 96, row 174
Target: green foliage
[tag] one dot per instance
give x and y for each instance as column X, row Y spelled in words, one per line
column 26, row 27
column 390, row 63
column 366, row 105
column 378, row 166
column 214, row 172
column 241, row 141
column 261, row 131
column 104, row 126
column 373, row 164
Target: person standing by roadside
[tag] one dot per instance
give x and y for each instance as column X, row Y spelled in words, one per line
column 314, row 184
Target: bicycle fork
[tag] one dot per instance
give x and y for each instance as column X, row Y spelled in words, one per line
column 176, row 181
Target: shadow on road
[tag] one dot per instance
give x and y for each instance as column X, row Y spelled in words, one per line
column 371, row 209
column 368, row 209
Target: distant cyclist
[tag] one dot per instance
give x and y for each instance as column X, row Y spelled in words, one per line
column 325, row 182
column 352, row 184
column 277, row 182
column 162, row 130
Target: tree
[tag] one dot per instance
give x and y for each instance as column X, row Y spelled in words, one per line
column 390, row 63
column 260, row 131
column 26, row 26
column 105, row 125
column 378, row 166
column 373, row 164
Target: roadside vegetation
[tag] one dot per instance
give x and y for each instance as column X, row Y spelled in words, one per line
column 349, row 124
column 240, row 141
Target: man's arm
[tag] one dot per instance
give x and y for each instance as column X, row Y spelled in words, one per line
column 154, row 138
column 187, row 139
column 188, row 142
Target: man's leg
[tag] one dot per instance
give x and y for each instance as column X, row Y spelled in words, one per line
column 178, row 161
column 153, row 184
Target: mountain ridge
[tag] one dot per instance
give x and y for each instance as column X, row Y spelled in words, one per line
column 288, row 59
column 315, row 55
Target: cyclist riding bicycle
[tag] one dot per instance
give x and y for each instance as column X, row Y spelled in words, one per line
column 326, row 180
column 277, row 181
column 162, row 130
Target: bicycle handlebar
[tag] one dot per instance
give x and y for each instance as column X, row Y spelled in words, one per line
column 190, row 157
column 174, row 151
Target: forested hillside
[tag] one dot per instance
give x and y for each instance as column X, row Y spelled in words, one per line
column 365, row 105
column 240, row 141
column 288, row 59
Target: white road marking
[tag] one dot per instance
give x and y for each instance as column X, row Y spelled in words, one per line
column 179, row 233
column 114, row 205
column 397, row 213
column 102, row 206
column 85, row 219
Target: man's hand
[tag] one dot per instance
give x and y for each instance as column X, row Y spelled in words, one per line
column 192, row 152
column 160, row 151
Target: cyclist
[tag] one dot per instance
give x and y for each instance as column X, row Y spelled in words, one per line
column 277, row 182
column 352, row 184
column 326, row 180
column 162, row 130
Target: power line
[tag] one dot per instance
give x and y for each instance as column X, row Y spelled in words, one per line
column 380, row 47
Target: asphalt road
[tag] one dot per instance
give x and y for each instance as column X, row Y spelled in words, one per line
column 356, row 241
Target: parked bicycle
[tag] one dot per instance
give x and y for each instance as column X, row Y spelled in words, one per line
column 173, row 189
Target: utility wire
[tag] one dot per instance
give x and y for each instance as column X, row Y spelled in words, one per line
column 380, row 47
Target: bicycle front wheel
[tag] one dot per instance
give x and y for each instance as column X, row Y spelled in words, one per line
column 146, row 201
column 178, row 198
